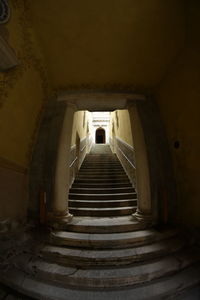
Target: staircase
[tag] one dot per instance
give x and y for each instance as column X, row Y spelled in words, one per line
column 103, row 253
column 102, row 188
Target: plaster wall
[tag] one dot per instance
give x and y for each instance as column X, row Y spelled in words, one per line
column 108, row 44
column 120, row 119
column 81, row 123
column 23, row 91
column 178, row 97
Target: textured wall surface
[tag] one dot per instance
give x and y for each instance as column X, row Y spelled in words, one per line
column 23, row 91
column 179, row 99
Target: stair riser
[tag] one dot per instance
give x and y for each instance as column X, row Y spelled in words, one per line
column 94, row 261
column 82, row 282
column 102, row 176
column 101, row 244
column 102, row 181
column 105, row 229
column 103, row 197
column 101, row 204
column 101, row 191
column 104, row 213
column 118, row 185
column 104, row 172
column 100, row 165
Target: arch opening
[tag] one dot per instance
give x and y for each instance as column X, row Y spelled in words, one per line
column 100, row 136
column 142, row 131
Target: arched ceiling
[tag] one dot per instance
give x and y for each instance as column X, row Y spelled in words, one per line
column 108, row 42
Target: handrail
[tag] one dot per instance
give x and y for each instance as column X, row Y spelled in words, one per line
column 83, row 148
column 73, row 162
column 126, row 157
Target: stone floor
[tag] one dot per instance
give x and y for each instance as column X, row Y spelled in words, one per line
column 9, row 294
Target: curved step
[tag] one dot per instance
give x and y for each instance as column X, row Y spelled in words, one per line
column 112, row 277
column 115, row 257
column 156, row 290
column 109, row 240
column 104, row 225
column 102, row 212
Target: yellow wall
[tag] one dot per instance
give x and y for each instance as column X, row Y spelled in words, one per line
column 78, row 125
column 122, row 127
column 108, row 44
column 179, row 99
column 23, row 90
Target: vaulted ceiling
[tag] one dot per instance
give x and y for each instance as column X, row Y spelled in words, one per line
column 109, row 42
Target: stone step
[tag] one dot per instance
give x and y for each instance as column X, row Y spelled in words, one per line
column 101, row 167
column 119, row 196
column 102, row 163
column 104, row 160
column 104, row 225
column 102, row 212
column 155, row 290
column 101, row 185
column 115, row 257
column 104, row 172
column 102, row 180
column 101, row 190
column 101, row 204
column 109, row 240
column 106, row 178
column 124, row 276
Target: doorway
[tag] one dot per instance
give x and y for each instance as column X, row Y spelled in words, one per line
column 100, row 136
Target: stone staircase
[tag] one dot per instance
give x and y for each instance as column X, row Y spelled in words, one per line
column 103, row 253
column 102, row 188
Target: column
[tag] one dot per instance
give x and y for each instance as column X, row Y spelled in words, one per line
column 61, row 185
column 144, row 209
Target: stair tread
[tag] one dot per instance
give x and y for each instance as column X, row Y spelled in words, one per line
column 101, row 201
column 101, row 208
column 101, row 189
column 108, row 221
column 99, row 195
column 114, row 236
column 156, row 290
column 131, row 254
column 111, row 277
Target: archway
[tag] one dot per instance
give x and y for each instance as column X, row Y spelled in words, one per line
column 100, row 136
column 152, row 188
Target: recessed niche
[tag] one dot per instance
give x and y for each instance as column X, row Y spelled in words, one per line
column 4, row 11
